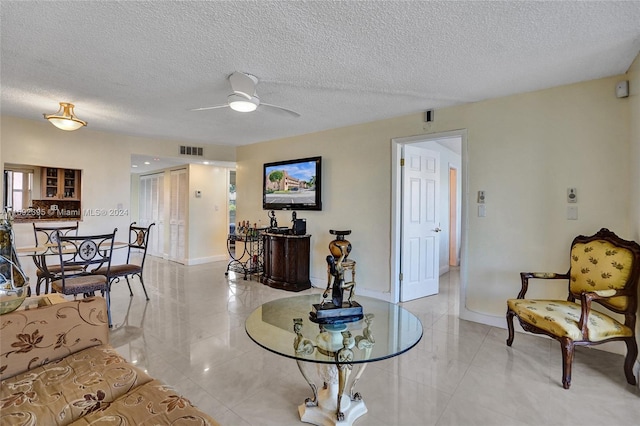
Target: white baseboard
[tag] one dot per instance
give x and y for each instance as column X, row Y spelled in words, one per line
column 374, row 294
column 491, row 320
column 208, row 259
column 359, row 291
column 318, row 283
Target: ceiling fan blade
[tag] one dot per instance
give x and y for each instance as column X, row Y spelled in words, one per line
column 243, row 84
column 288, row 111
column 211, row 107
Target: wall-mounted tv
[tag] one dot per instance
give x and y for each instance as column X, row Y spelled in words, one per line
column 292, row 184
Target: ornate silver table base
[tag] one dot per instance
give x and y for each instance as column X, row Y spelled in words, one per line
column 323, row 408
column 332, row 405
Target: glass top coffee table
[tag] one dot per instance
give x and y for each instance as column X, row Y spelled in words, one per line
column 283, row 327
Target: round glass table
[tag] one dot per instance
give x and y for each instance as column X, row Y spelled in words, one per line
column 284, row 327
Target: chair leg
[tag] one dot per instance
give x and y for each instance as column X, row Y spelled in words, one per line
column 632, row 354
column 567, row 358
column 38, row 284
column 143, row 287
column 510, row 315
column 128, row 285
column 107, row 294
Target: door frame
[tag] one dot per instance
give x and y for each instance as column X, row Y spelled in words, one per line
column 396, row 204
column 453, row 216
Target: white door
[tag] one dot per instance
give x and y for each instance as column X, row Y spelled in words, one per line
column 152, row 211
column 178, row 216
column 420, row 223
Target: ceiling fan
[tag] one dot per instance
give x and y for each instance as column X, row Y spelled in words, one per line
column 244, row 97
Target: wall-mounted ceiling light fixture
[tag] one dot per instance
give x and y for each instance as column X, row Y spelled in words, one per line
column 65, row 118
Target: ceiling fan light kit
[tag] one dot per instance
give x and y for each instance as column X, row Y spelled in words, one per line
column 242, row 104
column 65, row 118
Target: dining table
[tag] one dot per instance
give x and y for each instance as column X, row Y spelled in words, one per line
column 42, row 252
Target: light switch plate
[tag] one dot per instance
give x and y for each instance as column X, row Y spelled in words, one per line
column 572, row 212
column 482, row 211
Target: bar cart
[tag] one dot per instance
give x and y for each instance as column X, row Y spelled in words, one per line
column 246, row 252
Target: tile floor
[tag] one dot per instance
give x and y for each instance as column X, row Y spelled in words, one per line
column 191, row 335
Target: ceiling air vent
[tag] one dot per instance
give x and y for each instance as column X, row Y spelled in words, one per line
column 191, row 150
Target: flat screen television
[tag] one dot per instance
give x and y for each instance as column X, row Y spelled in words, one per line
column 292, row 184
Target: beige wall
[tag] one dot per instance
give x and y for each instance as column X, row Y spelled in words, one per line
column 356, row 188
column 208, row 216
column 633, row 76
column 105, row 161
column 634, row 102
column 105, row 170
column 208, row 222
column 524, row 151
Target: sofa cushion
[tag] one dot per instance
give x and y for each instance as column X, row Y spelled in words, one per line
column 36, row 336
column 153, row 403
column 62, row 391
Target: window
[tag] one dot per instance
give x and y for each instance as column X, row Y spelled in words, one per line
column 18, row 189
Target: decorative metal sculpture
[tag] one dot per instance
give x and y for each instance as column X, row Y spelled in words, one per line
column 337, row 310
column 340, row 249
column 301, row 344
column 305, row 346
column 344, row 359
column 273, row 221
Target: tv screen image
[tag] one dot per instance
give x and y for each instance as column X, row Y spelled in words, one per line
column 292, row 184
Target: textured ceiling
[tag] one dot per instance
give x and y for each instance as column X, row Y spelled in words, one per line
column 137, row 68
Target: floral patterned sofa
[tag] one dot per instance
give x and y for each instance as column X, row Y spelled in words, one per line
column 57, row 368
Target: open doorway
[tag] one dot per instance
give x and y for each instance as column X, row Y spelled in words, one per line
column 232, row 201
column 451, row 208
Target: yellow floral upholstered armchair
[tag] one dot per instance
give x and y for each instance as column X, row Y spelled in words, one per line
column 604, row 269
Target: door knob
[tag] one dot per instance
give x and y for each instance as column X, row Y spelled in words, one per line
column 438, row 229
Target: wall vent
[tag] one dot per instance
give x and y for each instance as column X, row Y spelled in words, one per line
column 191, row 150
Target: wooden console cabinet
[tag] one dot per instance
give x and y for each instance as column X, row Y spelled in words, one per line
column 286, row 261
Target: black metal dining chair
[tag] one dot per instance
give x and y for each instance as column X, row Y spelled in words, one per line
column 47, row 236
column 80, row 257
column 138, row 243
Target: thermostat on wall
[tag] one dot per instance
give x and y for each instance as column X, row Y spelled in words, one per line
column 622, row 89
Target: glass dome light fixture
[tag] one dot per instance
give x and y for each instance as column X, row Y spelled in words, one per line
column 243, row 104
column 65, row 118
